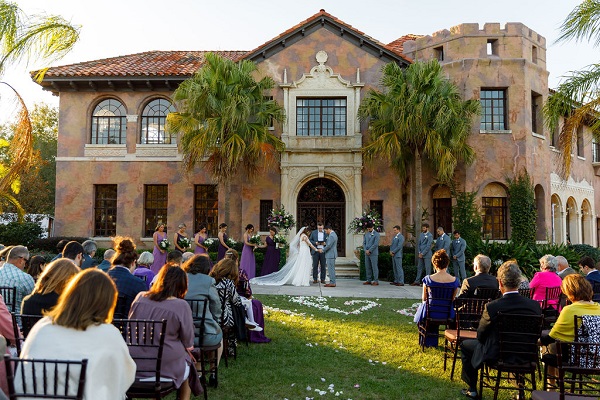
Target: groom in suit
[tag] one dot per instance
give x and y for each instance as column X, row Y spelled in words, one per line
column 371, row 246
column 318, row 239
column 330, row 251
column 486, row 347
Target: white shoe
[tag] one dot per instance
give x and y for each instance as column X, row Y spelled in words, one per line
column 252, row 326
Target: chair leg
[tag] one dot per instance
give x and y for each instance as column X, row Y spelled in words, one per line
column 454, row 360
column 497, row 388
column 445, row 352
column 480, row 392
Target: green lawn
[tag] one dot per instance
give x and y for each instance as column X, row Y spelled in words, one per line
column 324, row 353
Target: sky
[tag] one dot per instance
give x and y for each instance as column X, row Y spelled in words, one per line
column 112, row 28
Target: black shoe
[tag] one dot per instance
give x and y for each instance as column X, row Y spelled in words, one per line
column 212, row 380
column 471, row 394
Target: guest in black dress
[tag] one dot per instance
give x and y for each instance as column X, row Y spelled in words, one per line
column 49, row 286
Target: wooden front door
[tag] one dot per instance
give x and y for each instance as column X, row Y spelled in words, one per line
column 322, row 200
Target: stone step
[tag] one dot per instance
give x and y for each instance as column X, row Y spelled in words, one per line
column 346, row 268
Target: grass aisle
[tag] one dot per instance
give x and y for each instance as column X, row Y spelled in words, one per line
column 337, row 348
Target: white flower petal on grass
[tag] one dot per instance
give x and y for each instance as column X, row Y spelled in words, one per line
column 383, row 363
column 308, row 388
column 293, row 384
column 423, row 368
column 322, row 379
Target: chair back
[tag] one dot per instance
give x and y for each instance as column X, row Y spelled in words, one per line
column 579, row 368
column 48, row 379
column 587, row 328
column 526, row 292
column 518, row 336
column 596, row 288
column 121, row 307
column 9, row 294
column 199, row 308
column 439, row 302
column 145, row 340
column 26, row 322
column 486, row 293
column 552, row 298
column 468, row 312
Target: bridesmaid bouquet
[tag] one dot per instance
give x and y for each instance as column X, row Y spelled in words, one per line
column 185, row 243
column 164, row 244
column 280, row 241
column 209, row 242
column 230, row 243
column 255, row 239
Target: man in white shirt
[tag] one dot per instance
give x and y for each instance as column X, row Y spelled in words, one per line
column 318, row 239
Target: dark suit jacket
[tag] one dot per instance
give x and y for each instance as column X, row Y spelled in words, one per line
column 487, row 332
column 593, row 277
column 314, row 235
column 128, row 285
column 480, row 280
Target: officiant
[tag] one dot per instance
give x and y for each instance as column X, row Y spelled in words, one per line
column 318, row 238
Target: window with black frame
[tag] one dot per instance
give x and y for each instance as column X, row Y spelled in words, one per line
column 105, row 210
column 321, row 116
column 493, row 110
column 109, row 123
column 206, row 208
column 156, row 203
column 494, row 217
column 153, row 121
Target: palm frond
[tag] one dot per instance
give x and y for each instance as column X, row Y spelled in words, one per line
column 582, row 23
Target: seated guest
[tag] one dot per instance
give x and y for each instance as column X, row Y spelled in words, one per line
column 546, row 278
column 201, row 286
column 143, row 270
column 11, row 274
column 440, row 279
column 186, row 256
column 106, row 262
column 59, row 249
column 588, row 267
column 226, row 275
column 80, row 327
column 175, row 257
column 51, row 284
column 481, row 279
column 128, row 285
column 486, row 347
column 74, row 251
column 254, row 308
column 35, row 267
column 564, row 268
column 89, row 251
column 165, row 302
column 6, row 333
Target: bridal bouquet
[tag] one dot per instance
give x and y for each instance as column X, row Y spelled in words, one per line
column 255, row 239
column 185, row 243
column 164, row 244
column 280, row 241
column 281, row 219
column 359, row 224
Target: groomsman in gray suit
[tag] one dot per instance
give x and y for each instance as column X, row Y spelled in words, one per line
column 424, row 249
column 371, row 246
column 396, row 253
column 458, row 256
column 330, row 251
column 443, row 241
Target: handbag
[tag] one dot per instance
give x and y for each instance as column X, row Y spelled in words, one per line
column 239, row 318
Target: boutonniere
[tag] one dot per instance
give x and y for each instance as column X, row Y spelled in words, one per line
column 372, row 234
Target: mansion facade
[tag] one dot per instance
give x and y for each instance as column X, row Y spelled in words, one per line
column 120, row 173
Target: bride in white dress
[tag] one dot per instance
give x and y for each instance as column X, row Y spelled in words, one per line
column 298, row 267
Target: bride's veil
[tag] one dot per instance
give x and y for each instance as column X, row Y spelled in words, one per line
column 282, row 276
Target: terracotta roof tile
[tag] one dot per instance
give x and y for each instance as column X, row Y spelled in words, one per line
column 150, row 63
column 398, row 44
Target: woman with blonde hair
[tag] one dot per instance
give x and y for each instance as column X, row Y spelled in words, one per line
column 49, row 286
column 80, row 327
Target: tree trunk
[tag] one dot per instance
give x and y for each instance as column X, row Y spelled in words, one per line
column 227, row 203
column 417, row 216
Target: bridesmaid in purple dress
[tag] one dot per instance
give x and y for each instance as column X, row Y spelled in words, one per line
column 272, row 255
column 222, row 242
column 248, row 262
column 160, row 256
column 199, row 239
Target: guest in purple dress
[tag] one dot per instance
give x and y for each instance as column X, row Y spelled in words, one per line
column 143, row 270
column 199, row 239
column 248, row 262
column 222, row 241
column 272, row 255
column 160, row 256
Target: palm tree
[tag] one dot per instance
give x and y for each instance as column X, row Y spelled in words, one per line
column 29, row 38
column 224, row 119
column 420, row 115
column 577, row 98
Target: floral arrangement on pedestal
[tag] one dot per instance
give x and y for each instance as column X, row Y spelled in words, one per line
column 359, row 224
column 280, row 241
column 281, row 219
column 164, row 244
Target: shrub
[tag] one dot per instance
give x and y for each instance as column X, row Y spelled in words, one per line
column 522, row 209
column 49, row 244
column 386, row 271
column 585, row 250
column 15, row 233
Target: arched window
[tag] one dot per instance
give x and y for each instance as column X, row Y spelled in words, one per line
column 109, row 123
column 495, row 212
column 153, row 122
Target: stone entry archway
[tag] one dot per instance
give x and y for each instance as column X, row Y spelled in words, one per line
column 322, row 200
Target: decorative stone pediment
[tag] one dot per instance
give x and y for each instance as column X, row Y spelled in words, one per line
column 322, row 77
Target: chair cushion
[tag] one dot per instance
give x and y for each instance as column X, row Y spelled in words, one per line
column 541, row 395
column 452, row 335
